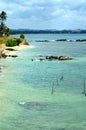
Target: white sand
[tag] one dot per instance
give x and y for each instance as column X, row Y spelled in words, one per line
column 8, row 52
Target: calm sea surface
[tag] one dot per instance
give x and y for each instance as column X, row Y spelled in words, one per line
column 33, row 95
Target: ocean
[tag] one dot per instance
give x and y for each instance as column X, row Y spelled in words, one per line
column 42, row 94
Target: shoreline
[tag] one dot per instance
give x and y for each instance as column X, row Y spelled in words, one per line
column 8, row 52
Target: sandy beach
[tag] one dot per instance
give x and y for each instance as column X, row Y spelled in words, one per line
column 8, row 52
column 19, row 47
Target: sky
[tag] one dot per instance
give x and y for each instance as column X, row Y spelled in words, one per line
column 45, row 14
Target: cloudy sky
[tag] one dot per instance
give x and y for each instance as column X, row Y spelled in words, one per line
column 45, row 14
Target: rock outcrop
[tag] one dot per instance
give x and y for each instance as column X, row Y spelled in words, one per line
column 24, row 42
column 2, row 48
column 50, row 58
column 64, row 58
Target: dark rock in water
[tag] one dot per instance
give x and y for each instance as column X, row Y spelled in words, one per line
column 10, row 49
column 63, row 40
column 61, row 78
column 33, row 105
column 32, row 59
column 51, row 57
column 70, row 40
column 81, row 40
column 58, row 58
column 4, row 55
column 42, row 40
column 14, row 56
column 64, row 58
column 0, row 69
column 41, row 59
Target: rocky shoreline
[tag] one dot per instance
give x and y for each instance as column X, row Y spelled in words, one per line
column 10, row 51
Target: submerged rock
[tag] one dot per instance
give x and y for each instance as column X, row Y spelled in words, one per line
column 81, row 40
column 50, row 58
column 10, row 55
column 63, row 40
column 42, row 40
column 33, row 105
column 30, row 104
column 14, row 56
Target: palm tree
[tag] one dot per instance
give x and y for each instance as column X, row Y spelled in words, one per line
column 4, row 30
column 3, row 16
column 7, row 31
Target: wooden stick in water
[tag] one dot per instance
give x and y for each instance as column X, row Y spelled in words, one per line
column 52, row 90
column 84, row 88
column 61, row 78
column 57, row 82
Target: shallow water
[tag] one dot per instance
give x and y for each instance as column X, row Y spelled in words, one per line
column 25, row 81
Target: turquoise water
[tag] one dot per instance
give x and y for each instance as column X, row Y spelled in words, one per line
column 26, row 99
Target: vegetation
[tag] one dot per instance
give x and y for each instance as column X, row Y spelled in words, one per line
column 13, row 42
column 10, row 41
column 22, row 36
column 28, row 31
column 4, row 30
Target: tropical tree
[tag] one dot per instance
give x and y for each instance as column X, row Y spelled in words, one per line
column 4, row 30
column 3, row 16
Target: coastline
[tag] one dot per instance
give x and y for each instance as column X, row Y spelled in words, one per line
column 8, row 52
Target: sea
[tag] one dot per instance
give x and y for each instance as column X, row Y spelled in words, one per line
column 44, row 94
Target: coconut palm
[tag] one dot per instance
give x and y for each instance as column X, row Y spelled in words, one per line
column 4, row 30
column 3, row 16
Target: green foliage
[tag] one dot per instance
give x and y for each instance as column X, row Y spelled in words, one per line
column 13, row 42
column 3, row 16
column 22, row 36
column 7, row 31
column 3, row 28
column 18, row 40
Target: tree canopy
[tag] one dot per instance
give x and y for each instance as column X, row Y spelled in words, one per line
column 4, row 30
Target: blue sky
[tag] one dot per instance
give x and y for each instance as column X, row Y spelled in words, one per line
column 45, row 14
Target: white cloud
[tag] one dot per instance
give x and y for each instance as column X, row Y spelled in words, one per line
column 40, row 14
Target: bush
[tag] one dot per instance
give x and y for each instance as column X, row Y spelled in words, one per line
column 11, row 43
column 22, row 36
column 18, row 40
